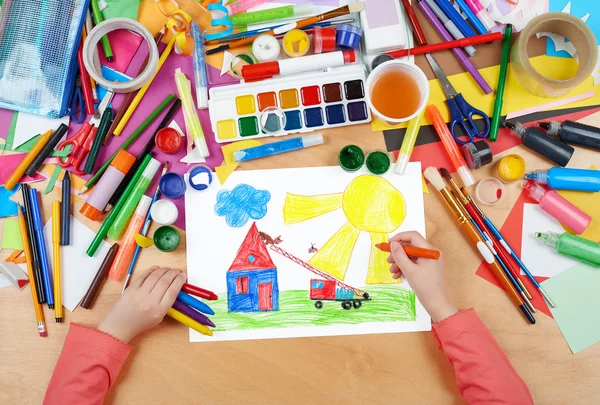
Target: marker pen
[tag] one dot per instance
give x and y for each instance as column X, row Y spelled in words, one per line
column 558, row 207
column 560, row 178
column 542, row 143
column 450, row 26
column 200, row 77
column 471, row 17
column 455, row 16
column 573, row 246
column 574, row 132
column 481, row 13
column 458, row 161
column 276, row 148
column 290, row 66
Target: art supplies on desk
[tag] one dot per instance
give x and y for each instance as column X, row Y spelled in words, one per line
column 35, row 253
column 310, row 102
column 584, row 250
column 14, row 274
column 65, row 213
column 573, row 132
column 40, row 239
column 560, row 178
column 547, row 146
column 58, row 306
column 88, row 299
column 18, row 173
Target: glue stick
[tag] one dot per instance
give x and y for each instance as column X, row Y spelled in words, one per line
column 125, row 253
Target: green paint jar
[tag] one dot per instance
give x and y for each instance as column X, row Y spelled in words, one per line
column 351, row 158
column 166, row 238
column 579, row 248
column 378, row 162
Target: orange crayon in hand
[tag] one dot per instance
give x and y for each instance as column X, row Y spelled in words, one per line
column 412, row 251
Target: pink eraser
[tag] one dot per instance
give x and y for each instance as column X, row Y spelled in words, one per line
column 14, row 274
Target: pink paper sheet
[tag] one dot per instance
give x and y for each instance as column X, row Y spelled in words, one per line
column 124, row 45
column 8, row 164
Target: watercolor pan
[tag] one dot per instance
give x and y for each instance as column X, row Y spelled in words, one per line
column 311, row 101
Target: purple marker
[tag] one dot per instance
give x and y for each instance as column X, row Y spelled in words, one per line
column 192, row 313
column 459, row 52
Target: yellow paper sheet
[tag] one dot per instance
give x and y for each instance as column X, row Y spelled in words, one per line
column 590, row 204
column 516, row 98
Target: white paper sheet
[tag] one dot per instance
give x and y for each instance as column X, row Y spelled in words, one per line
column 541, row 259
column 212, row 246
column 30, row 125
column 77, row 269
column 4, row 281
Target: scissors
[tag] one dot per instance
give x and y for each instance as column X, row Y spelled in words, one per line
column 81, row 142
column 77, row 103
column 461, row 112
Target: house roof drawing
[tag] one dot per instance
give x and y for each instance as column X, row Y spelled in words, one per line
column 252, row 254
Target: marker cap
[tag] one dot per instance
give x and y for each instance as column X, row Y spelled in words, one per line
column 123, row 161
column 91, row 212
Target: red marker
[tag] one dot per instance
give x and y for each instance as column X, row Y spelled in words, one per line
column 199, row 292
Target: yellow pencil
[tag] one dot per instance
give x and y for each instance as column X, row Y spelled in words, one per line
column 37, row 307
column 141, row 92
column 20, row 170
column 189, row 322
column 58, row 307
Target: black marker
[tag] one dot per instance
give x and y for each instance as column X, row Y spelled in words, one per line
column 574, row 132
column 538, row 141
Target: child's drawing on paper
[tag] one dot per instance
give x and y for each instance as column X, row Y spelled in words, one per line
column 274, row 281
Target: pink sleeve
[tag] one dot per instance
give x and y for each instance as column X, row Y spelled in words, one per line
column 484, row 374
column 87, row 367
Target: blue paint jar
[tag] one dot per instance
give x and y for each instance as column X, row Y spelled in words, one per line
column 348, row 36
column 560, row 178
column 172, row 185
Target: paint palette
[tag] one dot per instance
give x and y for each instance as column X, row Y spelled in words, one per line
column 310, row 102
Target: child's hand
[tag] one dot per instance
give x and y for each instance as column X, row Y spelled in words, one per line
column 144, row 303
column 425, row 276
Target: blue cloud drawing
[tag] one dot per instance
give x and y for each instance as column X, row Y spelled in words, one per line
column 241, row 204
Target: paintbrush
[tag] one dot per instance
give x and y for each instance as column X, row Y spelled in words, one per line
column 435, row 178
column 355, row 7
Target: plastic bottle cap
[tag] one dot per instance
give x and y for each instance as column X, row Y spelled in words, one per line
column 266, row 48
column 164, row 212
column 200, row 177
column 323, row 39
column 296, row 43
column 91, row 212
column 351, row 158
column 477, row 154
column 166, row 238
column 378, row 162
column 348, row 36
column 511, row 168
column 172, row 185
column 123, row 161
column 169, row 140
column 489, row 191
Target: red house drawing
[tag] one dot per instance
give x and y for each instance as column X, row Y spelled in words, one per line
column 252, row 277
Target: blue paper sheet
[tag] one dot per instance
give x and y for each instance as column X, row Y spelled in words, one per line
column 113, row 76
column 8, row 208
column 579, row 8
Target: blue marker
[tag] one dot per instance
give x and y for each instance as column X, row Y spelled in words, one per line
column 38, row 226
column 199, row 68
column 455, row 16
column 471, row 17
column 276, row 148
column 560, row 178
column 194, row 303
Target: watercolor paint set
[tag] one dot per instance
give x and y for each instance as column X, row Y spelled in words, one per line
column 290, row 104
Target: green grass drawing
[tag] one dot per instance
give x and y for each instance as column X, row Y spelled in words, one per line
column 387, row 304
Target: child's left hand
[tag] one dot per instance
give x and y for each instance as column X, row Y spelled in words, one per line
column 144, row 303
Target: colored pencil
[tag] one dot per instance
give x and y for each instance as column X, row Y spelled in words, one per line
column 189, row 322
column 199, row 292
column 58, row 306
column 414, row 23
column 37, row 307
column 192, row 313
column 194, row 303
column 14, row 178
column 35, row 258
column 65, row 214
column 449, row 44
column 497, row 112
column 412, row 251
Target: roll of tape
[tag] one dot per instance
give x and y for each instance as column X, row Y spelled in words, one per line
column 572, row 28
column 95, row 71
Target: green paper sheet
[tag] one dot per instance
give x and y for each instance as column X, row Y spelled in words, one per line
column 121, row 8
column 52, row 180
column 11, row 132
column 577, row 312
column 26, row 147
column 11, row 236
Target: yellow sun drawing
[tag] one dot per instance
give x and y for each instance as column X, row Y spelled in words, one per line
column 370, row 204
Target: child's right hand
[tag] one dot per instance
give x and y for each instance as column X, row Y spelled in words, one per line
column 425, row 276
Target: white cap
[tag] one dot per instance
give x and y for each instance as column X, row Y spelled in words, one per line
column 312, row 140
column 303, row 9
column 466, row 176
column 143, row 205
column 164, row 212
column 151, row 169
column 202, row 97
column 486, row 20
column 402, row 163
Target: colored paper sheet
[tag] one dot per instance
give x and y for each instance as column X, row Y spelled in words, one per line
column 549, row 106
column 5, row 121
column 577, row 312
column 26, row 147
column 515, row 12
column 121, row 8
column 4, row 282
column 29, row 125
column 10, row 135
column 590, row 204
column 8, row 164
column 78, row 269
column 578, row 8
column 516, row 98
column 112, row 75
column 540, row 259
column 314, row 218
column 77, row 182
column 52, row 179
column 124, row 45
column 8, row 208
column 11, row 235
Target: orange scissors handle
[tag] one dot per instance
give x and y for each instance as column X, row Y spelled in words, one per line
column 85, row 149
column 76, row 142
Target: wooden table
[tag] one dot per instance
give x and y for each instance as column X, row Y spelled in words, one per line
column 164, row 368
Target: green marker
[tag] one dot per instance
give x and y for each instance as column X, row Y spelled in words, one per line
column 497, row 113
column 97, row 16
column 579, row 248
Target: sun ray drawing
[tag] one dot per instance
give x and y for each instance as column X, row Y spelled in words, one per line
column 370, row 204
